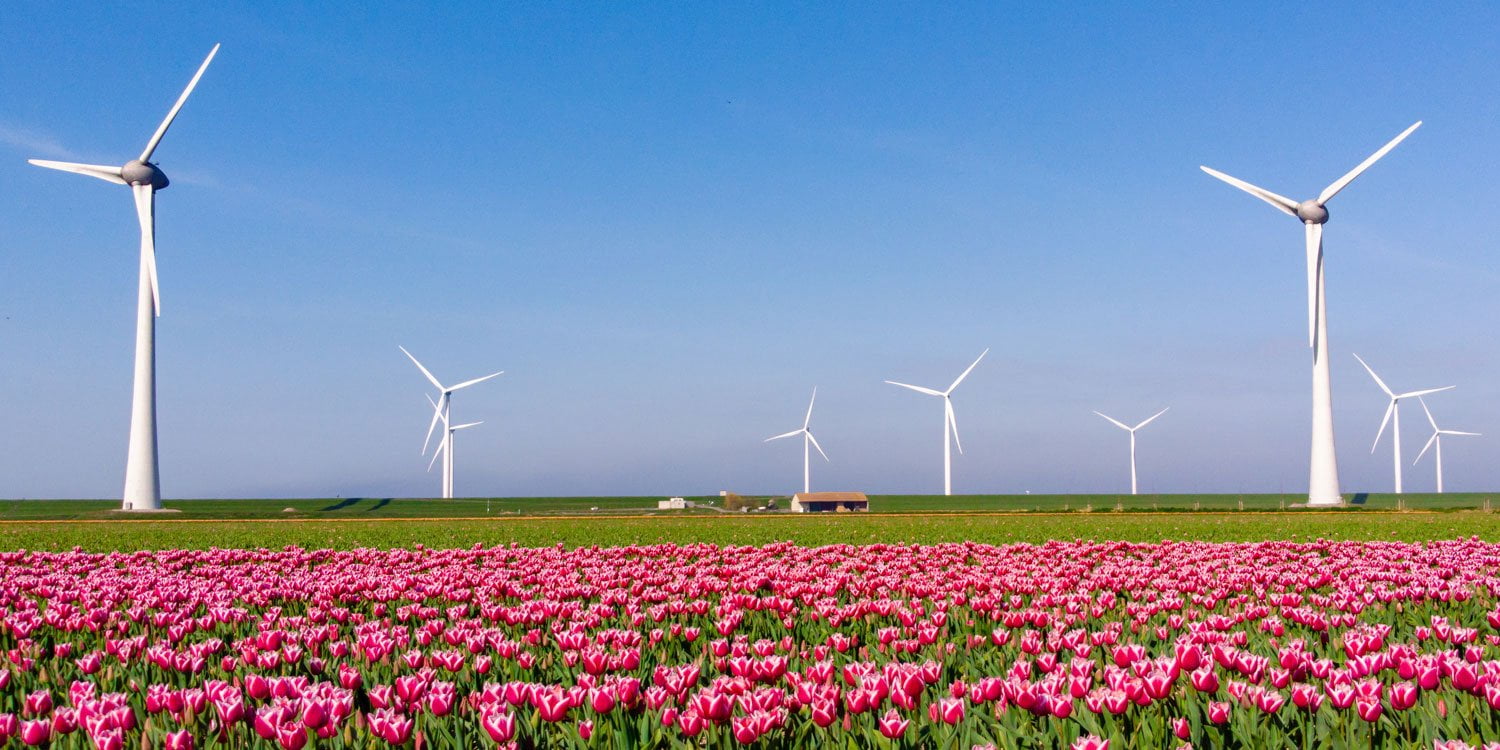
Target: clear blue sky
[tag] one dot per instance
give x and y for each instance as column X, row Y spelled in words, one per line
column 668, row 223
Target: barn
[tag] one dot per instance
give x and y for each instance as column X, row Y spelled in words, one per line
column 829, row 502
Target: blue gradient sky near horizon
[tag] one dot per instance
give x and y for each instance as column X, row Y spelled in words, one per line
column 668, row 223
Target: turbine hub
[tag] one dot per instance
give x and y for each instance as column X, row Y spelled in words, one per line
column 137, row 172
column 1310, row 212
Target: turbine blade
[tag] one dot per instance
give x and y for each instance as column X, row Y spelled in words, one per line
column 1378, row 381
column 172, row 115
column 808, row 419
column 1344, row 181
column 468, row 383
column 108, row 174
column 466, row 425
column 437, row 412
column 1116, row 422
column 1456, row 432
column 1383, row 423
column 436, row 409
column 1314, row 273
column 1429, row 390
column 1148, row 421
column 819, row 447
column 1282, row 203
column 1430, row 441
column 917, row 388
column 953, row 423
column 145, row 210
column 442, row 446
column 783, row 435
column 1428, row 412
column 414, row 361
column 966, row 372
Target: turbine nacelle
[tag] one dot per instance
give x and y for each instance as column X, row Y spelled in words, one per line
column 137, row 172
column 1312, row 212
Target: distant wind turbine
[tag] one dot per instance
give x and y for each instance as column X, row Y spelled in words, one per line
column 1323, row 465
column 142, row 474
column 1393, row 415
column 950, row 423
column 445, row 448
column 1132, row 430
column 443, row 410
column 1436, row 441
column 807, row 439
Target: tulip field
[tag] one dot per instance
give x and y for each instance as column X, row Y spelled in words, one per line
column 1301, row 644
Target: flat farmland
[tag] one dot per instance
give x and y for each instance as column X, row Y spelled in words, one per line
column 741, row 529
column 355, row 508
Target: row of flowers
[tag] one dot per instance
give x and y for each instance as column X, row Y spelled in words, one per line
column 1068, row 644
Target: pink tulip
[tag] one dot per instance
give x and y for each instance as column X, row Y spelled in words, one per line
column 1403, row 695
column 947, row 710
column 586, row 729
column 1182, row 728
column 35, row 732
column 1464, row 676
column 1341, row 696
column 1368, row 708
column 39, row 702
column 1158, row 685
column 552, row 705
column 1090, row 742
column 691, row 723
column 109, row 739
column 179, row 740
column 892, row 725
column 824, row 713
column 1218, row 712
column 499, row 725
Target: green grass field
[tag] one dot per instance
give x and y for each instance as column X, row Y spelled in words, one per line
column 757, row 529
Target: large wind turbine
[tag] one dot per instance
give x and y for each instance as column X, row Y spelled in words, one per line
column 1393, row 415
column 142, row 475
column 1436, row 441
column 445, row 449
column 950, row 423
column 443, row 409
column 1323, row 468
column 1132, row 430
column 807, row 439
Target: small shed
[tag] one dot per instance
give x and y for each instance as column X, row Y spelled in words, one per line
column 826, row 502
column 675, row 503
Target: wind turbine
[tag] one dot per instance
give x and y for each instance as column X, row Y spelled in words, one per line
column 443, row 409
column 1323, row 467
column 142, row 473
column 1393, row 415
column 445, row 449
column 950, row 423
column 1132, row 430
column 807, row 439
column 1436, row 441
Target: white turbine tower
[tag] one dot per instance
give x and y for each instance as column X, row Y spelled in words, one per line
column 950, row 423
column 1132, row 430
column 142, row 475
column 445, row 448
column 1323, row 467
column 443, row 410
column 1436, row 441
column 807, row 439
column 1393, row 415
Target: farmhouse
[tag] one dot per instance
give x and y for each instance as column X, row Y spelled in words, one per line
column 839, row 502
column 675, row 503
